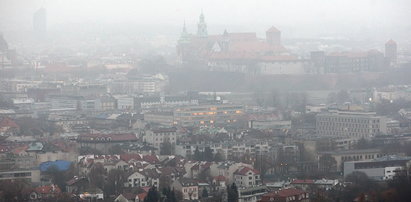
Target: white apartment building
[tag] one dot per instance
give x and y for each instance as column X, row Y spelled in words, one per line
column 350, row 124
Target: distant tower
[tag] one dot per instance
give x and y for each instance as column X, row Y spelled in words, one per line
column 273, row 36
column 182, row 45
column 40, row 23
column 391, row 52
column 202, row 27
column 225, row 42
column 3, row 50
column 3, row 44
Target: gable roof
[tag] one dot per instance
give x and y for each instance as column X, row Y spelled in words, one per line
column 128, row 157
column 187, row 182
column 273, row 29
column 245, row 170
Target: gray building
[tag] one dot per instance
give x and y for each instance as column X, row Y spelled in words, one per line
column 353, row 124
column 383, row 168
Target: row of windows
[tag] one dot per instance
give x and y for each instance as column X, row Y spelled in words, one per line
column 348, row 120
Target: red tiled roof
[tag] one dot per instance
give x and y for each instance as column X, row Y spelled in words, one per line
column 20, row 149
column 7, row 122
column 284, row 193
column 153, row 159
column 142, row 196
column 48, row 189
column 4, row 149
column 219, row 178
column 128, row 157
column 302, row 182
column 244, row 171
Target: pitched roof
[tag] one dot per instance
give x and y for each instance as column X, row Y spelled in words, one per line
column 153, row 159
column 219, row 178
column 273, row 29
column 7, row 122
column 245, row 170
column 127, row 157
column 142, row 196
column 186, row 182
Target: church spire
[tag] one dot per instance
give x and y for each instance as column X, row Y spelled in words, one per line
column 184, row 34
column 184, row 28
column 202, row 26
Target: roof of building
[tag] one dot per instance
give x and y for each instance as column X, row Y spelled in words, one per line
column 59, row 164
column 48, row 189
column 35, row 146
column 245, row 170
column 7, row 122
column 153, row 159
column 391, row 42
column 128, row 157
column 285, row 193
column 219, row 178
column 273, row 29
column 302, row 182
column 187, row 182
column 107, row 137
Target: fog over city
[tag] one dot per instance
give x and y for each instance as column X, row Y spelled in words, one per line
column 205, row 101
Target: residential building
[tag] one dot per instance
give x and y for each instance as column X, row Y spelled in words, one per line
column 156, row 137
column 188, row 187
column 247, row 177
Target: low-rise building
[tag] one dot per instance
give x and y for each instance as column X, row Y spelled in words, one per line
column 188, row 187
column 384, row 168
column 286, row 195
column 247, row 177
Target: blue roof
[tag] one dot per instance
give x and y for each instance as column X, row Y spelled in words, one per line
column 60, row 165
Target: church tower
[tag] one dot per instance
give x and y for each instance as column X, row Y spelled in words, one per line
column 182, row 45
column 202, row 27
column 273, row 36
column 391, row 52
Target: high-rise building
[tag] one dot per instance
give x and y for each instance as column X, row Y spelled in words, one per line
column 40, row 23
column 391, row 52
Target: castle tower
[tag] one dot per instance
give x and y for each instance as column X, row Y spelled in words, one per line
column 391, row 52
column 273, row 36
column 202, row 27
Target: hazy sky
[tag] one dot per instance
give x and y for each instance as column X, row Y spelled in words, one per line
column 314, row 14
